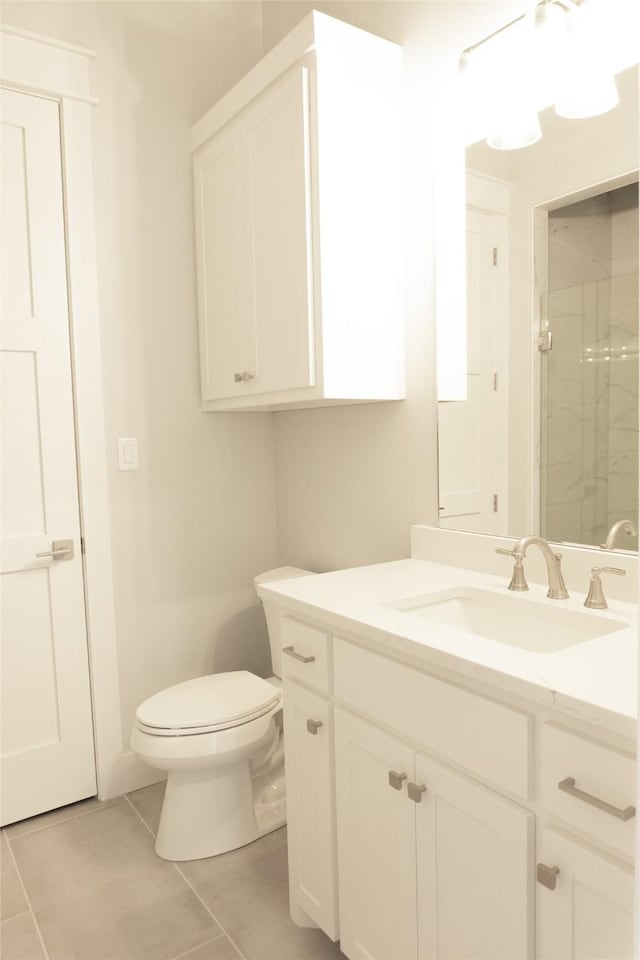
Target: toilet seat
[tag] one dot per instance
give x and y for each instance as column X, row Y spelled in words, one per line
column 207, row 704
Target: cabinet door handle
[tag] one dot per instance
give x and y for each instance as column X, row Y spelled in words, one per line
column 415, row 791
column 569, row 786
column 237, row 378
column 395, row 779
column 290, row 652
column 547, row 875
column 313, row 726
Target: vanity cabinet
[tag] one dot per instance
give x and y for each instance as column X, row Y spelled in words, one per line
column 297, row 214
column 470, row 822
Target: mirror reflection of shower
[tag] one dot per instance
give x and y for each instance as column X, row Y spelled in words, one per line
column 589, row 376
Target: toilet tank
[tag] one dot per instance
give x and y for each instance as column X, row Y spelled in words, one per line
column 272, row 611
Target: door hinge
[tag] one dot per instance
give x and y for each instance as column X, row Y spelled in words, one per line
column 495, row 256
column 545, row 341
column 82, row 550
column 495, row 503
column 495, row 381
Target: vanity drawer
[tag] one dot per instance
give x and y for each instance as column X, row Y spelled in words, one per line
column 305, row 653
column 603, row 788
column 483, row 737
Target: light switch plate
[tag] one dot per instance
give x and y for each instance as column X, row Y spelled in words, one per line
column 127, row 453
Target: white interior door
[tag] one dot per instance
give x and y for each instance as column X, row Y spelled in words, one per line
column 467, row 442
column 47, row 735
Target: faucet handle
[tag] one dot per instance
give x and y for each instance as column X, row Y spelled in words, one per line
column 595, row 597
column 518, row 580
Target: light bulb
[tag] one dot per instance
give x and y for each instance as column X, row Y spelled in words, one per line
column 587, row 88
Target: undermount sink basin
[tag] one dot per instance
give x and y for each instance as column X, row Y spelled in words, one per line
column 509, row 619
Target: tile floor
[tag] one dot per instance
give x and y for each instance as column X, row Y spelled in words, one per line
column 84, row 883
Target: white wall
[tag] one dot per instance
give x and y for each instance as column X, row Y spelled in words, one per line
column 192, row 527
column 352, row 479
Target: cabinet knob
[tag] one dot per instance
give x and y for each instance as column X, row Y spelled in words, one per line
column 547, row 875
column 395, row 779
column 237, row 378
column 313, row 726
column 415, row 791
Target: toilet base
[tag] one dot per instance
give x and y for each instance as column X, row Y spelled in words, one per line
column 208, row 812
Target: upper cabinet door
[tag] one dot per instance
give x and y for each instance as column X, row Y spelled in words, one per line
column 222, row 248
column 277, row 132
column 475, row 869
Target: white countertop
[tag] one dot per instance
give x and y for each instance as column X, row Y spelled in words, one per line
column 596, row 679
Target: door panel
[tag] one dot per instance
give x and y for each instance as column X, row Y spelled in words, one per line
column 589, row 915
column 475, row 864
column 47, row 736
column 222, row 249
column 278, row 150
column 310, row 805
column 376, row 843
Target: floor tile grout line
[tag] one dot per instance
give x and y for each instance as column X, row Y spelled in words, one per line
column 139, row 816
column 191, row 887
column 198, row 945
column 211, row 913
column 27, row 898
column 14, row 916
column 56, row 823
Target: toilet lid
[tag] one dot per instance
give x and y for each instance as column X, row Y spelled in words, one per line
column 218, row 700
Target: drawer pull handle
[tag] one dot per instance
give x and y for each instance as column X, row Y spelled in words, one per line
column 547, row 875
column 395, row 779
column 569, row 786
column 313, row 726
column 415, row 791
column 290, row 652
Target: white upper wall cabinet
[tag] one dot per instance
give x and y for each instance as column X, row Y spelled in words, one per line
column 298, row 208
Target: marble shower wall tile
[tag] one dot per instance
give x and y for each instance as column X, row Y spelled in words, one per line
column 590, row 424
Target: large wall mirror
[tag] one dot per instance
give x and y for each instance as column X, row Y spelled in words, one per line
column 547, row 440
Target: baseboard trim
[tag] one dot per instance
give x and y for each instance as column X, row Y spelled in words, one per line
column 131, row 774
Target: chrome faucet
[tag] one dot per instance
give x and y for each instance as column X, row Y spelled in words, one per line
column 615, row 529
column 557, row 588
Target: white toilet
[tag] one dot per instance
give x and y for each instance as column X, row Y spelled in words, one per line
column 219, row 738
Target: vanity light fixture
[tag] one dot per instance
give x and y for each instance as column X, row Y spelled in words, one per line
column 554, row 53
column 588, row 86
